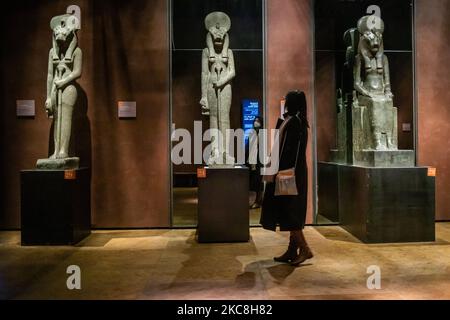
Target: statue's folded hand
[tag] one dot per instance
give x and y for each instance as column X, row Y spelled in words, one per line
column 204, row 103
column 205, row 107
column 220, row 84
column 60, row 83
column 48, row 107
column 389, row 94
column 205, row 112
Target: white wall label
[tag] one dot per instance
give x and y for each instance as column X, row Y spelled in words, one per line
column 127, row 109
column 406, row 127
column 25, row 108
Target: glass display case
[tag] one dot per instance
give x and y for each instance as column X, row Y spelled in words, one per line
column 188, row 39
column 332, row 19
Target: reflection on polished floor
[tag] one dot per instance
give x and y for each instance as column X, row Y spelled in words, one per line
column 170, row 264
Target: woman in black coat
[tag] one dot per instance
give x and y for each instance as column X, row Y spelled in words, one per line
column 289, row 212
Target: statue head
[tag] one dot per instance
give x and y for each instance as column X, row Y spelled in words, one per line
column 64, row 26
column 371, row 30
column 218, row 24
column 64, row 34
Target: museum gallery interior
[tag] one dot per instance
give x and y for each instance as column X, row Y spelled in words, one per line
column 139, row 150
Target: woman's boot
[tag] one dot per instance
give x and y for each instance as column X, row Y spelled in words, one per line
column 305, row 251
column 291, row 252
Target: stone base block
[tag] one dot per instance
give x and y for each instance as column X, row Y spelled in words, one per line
column 55, row 210
column 338, row 156
column 385, row 159
column 58, row 164
column 223, row 213
column 379, row 205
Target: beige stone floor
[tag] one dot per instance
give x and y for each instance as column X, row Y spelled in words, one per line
column 169, row 264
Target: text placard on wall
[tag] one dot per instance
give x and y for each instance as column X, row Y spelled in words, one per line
column 25, row 108
column 127, row 109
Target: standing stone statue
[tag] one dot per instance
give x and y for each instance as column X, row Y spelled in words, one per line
column 64, row 68
column 217, row 74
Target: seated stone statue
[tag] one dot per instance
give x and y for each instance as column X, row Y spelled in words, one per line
column 375, row 117
column 366, row 117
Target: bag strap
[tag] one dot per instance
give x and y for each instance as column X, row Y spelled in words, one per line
column 299, row 144
column 284, row 137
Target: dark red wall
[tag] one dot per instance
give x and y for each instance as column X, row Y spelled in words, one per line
column 433, row 90
column 289, row 63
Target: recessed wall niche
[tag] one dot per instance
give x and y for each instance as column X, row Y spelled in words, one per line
column 188, row 39
column 332, row 19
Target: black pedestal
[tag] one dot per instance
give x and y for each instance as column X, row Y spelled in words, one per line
column 223, row 207
column 328, row 191
column 384, row 205
column 55, row 206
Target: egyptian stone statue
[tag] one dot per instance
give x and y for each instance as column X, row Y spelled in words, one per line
column 64, row 68
column 367, row 119
column 373, row 88
column 218, row 71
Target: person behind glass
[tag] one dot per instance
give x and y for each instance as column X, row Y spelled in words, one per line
column 255, row 165
column 289, row 212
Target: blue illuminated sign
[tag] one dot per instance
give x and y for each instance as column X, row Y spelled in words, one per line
column 250, row 110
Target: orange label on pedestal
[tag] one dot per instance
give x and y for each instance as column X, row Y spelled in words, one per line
column 201, row 173
column 70, row 175
column 432, row 172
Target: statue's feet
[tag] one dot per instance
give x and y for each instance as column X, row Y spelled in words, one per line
column 229, row 160
column 63, row 155
column 381, row 147
column 221, row 160
column 213, row 158
column 212, row 161
column 391, row 145
column 53, row 156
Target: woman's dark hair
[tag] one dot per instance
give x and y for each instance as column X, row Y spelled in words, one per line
column 296, row 105
column 260, row 119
